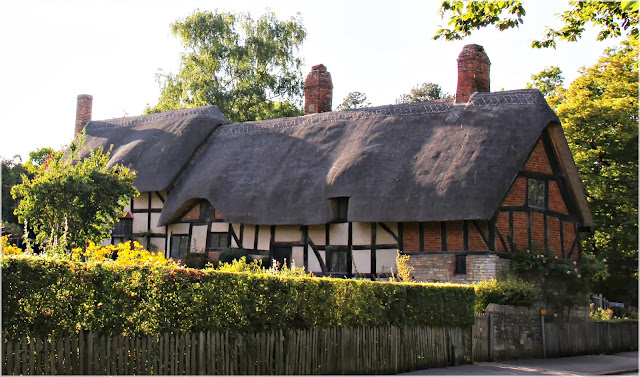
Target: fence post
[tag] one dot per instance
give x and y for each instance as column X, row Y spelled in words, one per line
column 490, row 339
column 544, row 343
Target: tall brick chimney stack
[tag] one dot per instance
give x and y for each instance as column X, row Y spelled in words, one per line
column 318, row 90
column 83, row 112
column 473, row 72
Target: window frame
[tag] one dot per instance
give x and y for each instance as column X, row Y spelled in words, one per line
column 330, row 251
column 536, row 193
column 123, row 222
column 211, row 247
column 181, row 237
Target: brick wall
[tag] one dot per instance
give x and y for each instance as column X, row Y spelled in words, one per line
column 441, row 267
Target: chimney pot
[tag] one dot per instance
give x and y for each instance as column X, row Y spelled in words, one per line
column 318, row 90
column 83, row 112
column 473, row 72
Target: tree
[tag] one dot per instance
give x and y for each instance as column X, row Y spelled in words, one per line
column 74, row 199
column 246, row 67
column 612, row 18
column 428, row 91
column 549, row 81
column 354, row 100
column 599, row 113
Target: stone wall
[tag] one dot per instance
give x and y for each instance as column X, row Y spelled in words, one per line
column 441, row 267
column 514, row 332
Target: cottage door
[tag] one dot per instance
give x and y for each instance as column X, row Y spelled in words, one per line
column 281, row 254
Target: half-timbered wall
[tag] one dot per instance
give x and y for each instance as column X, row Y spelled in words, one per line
column 466, row 251
column 145, row 210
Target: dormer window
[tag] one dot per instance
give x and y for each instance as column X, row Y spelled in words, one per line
column 339, row 209
column 536, row 193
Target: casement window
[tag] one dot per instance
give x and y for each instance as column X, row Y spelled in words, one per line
column 338, row 259
column 339, row 209
column 218, row 240
column 179, row 246
column 461, row 264
column 123, row 228
column 206, row 211
column 536, row 193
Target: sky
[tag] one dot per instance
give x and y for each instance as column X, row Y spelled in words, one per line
column 51, row 51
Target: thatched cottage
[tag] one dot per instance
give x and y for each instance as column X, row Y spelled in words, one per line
column 455, row 183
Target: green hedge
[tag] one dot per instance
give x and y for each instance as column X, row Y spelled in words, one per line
column 508, row 292
column 46, row 296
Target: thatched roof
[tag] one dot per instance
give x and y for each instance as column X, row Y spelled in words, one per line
column 430, row 161
column 157, row 146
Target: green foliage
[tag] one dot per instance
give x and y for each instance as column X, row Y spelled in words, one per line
column 562, row 283
column 230, row 254
column 600, row 314
column 612, row 18
column 81, row 196
column 507, row 292
column 246, row 67
column 54, row 296
column 12, row 170
column 549, row 81
column 428, row 91
column 599, row 114
column 354, row 100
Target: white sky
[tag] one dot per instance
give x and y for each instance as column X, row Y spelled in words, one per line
column 51, row 51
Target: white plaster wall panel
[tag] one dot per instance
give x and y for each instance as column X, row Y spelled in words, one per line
column 198, row 239
column 361, row 233
column 384, row 238
column 385, row 259
column 141, row 201
column 361, row 261
column 141, row 240
column 156, row 244
column 140, row 223
column 127, row 207
column 317, row 234
column 220, row 227
column 314, row 265
column 297, row 256
column 339, row 234
column 264, row 237
column 248, row 236
column 182, row 228
column 156, row 202
column 107, row 242
column 155, row 217
column 288, row 233
column 236, row 229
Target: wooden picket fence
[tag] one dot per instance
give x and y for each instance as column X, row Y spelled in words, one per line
column 588, row 337
column 379, row 350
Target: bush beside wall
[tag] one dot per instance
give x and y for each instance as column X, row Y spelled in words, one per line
column 49, row 296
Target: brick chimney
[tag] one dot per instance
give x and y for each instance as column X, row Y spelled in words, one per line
column 473, row 72
column 318, row 90
column 83, row 112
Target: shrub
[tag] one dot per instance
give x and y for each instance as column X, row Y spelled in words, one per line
column 228, row 255
column 51, row 296
column 195, row 260
column 8, row 248
column 509, row 292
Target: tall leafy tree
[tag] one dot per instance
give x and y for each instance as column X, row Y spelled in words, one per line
column 549, row 82
column 247, row 67
column 612, row 18
column 12, row 170
column 599, row 113
column 354, row 100
column 428, row 91
column 84, row 196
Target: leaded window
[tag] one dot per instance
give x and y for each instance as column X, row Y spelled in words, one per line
column 536, row 193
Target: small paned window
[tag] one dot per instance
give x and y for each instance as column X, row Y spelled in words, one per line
column 123, row 228
column 461, row 264
column 338, row 259
column 218, row 241
column 179, row 246
column 536, row 193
